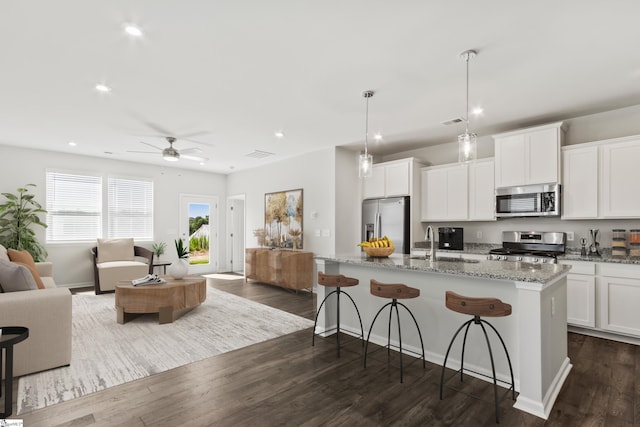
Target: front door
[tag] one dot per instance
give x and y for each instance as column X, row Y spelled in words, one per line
column 199, row 231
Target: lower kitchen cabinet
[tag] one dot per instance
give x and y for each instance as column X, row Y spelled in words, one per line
column 581, row 295
column 619, row 294
column 604, row 297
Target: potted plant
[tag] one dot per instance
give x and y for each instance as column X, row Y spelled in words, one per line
column 159, row 248
column 180, row 268
column 17, row 215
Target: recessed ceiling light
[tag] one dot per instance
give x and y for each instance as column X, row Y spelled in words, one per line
column 132, row 30
column 377, row 136
column 279, row 134
column 477, row 111
column 72, row 144
column 101, row 87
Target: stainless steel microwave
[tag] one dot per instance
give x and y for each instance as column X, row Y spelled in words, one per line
column 531, row 200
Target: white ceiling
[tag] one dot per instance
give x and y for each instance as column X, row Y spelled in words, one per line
column 230, row 73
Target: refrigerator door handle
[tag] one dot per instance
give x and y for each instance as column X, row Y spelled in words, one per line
column 378, row 224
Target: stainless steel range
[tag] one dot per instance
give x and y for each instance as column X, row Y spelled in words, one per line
column 530, row 246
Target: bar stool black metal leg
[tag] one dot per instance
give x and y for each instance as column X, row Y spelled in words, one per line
column 359, row 318
column 464, row 346
column 315, row 323
column 493, row 371
column 446, row 357
column 424, row 365
column 366, row 345
column 504, row 346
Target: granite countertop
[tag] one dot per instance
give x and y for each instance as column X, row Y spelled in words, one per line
column 499, row 270
column 571, row 254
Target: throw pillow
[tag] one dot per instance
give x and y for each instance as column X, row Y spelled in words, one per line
column 3, row 253
column 115, row 250
column 24, row 258
column 15, row 277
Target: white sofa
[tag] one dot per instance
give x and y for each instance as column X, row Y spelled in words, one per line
column 47, row 314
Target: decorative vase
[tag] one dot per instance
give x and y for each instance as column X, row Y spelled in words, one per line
column 178, row 269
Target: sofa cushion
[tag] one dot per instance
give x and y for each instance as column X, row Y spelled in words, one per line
column 15, row 277
column 3, row 253
column 25, row 258
column 115, row 250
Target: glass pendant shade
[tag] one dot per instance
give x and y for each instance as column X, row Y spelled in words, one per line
column 365, row 165
column 467, row 147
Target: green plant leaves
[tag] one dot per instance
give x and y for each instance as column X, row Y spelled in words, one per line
column 17, row 214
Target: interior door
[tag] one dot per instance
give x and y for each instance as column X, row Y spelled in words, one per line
column 235, row 234
column 199, row 231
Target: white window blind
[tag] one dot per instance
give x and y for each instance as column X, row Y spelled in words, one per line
column 130, row 208
column 74, row 207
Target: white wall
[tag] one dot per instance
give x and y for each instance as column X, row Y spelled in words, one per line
column 73, row 264
column 315, row 174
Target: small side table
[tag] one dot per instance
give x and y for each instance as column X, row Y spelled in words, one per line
column 11, row 335
column 163, row 265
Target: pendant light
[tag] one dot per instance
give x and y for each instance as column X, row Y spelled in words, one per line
column 366, row 160
column 467, row 142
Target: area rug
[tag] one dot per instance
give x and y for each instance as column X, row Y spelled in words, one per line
column 106, row 354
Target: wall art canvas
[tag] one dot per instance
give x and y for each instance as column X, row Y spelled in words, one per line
column 283, row 219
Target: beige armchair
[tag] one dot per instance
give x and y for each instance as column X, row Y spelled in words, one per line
column 116, row 260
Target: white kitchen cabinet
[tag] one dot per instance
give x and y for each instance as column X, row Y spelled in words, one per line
column 580, row 181
column 528, row 156
column 444, row 193
column 482, row 190
column 373, row 186
column 459, row 191
column 618, row 294
column 600, row 179
column 581, row 294
column 620, row 165
column 389, row 179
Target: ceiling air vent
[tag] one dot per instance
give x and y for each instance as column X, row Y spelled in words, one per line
column 257, row 154
column 452, row 121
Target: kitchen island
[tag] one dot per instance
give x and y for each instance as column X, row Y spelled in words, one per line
column 535, row 333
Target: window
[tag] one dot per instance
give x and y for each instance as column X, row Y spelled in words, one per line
column 130, row 208
column 74, row 207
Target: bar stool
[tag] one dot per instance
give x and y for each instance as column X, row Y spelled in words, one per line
column 476, row 307
column 395, row 292
column 337, row 281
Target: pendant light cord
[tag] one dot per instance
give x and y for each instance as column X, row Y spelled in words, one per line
column 467, row 111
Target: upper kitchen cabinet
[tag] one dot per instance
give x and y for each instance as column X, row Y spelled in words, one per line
column 528, row 156
column 579, row 182
column 599, row 179
column 458, row 192
column 390, row 179
column 620, row 175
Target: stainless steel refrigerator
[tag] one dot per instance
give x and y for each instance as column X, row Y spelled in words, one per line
column 387, row 217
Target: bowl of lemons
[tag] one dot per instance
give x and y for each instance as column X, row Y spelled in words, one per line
column 378, row 247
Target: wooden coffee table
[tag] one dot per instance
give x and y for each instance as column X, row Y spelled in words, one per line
column 170, row 300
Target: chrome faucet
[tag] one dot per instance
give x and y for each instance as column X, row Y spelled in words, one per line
column 429, row 236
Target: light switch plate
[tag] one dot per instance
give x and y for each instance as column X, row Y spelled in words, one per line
column 317, row 233
column 326, row 232
column 570, row 236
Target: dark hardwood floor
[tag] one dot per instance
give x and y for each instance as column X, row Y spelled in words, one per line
column 286, row 381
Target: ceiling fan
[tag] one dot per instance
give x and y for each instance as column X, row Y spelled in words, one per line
column 171, row 154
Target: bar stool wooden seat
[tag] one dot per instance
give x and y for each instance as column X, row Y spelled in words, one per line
column 477, row 307
column 337, row 281
column 394, row 291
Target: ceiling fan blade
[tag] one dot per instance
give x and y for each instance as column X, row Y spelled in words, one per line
column 157, row 128
column 193, row 150
column 151, row 145
column 189, row 135
column 197, row 142
column 194, row 158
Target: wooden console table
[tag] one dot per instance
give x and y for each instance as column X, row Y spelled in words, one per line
column 285, row 268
